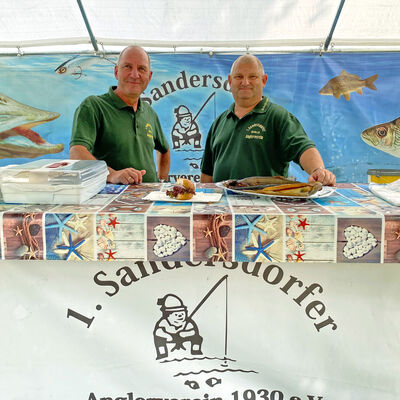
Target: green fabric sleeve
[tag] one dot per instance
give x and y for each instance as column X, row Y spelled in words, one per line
column 85, row 125
column 207, row 164
column 295, row 140
column 160, row 141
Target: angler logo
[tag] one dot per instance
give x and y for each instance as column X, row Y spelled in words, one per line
column 175, row 328
column 255, row 131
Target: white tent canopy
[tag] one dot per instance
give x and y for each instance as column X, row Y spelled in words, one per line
column 34, row 26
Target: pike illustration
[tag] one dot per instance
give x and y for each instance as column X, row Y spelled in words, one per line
column 17, row 140
column 385, row 137
column 346, row 83
column 75, row 65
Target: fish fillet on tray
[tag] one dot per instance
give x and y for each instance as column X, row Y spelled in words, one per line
column 276, row 186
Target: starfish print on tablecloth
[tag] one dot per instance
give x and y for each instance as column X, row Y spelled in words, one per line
column 299, row 256
column 303, row 223
column 32, row 253
column 71, row 248
column 207, row 232
column 220, row 254
column 79, row 223
column 18, row 231
column 113, row 222
column 397, row 233
column 267, row 223
column 260, row 249
column 61, row 225
column 110, row 255
column 251, row 226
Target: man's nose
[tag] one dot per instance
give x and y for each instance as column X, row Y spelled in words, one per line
column 134, row 73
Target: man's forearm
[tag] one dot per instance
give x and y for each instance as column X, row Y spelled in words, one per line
column 310, row 160
column 79, row 152
column 163, row 164
column 204, row 178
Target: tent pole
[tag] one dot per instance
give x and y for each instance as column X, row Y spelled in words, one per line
column 89, row 29
column 329, row 38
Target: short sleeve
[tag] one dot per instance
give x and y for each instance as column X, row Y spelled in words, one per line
column 160, row 142
column 293, row 139
column 85, row 125
column 207, row 163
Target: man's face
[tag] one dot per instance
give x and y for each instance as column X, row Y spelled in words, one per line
column 247, row 82
column 133, row 72
column 177, row 318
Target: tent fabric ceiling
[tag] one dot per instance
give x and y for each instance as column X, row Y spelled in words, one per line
column 270, row 25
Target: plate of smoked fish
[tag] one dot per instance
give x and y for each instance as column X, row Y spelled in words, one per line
column 276, row 186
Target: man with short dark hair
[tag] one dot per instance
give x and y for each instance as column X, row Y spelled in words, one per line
column 255, row 137
column 121, row 129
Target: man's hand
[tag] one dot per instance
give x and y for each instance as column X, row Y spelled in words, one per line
column 326, row 177
column 127, row 176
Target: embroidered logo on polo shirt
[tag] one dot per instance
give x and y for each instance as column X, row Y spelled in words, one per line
column 255, row 131
column 149, row 130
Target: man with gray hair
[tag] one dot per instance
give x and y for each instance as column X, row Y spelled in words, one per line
column 121, row 129
column 255, row 137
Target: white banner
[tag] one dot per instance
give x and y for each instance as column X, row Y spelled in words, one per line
column 199, row 331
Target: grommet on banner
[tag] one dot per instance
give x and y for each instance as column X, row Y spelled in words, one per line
column 321, row 46
column 19, row 52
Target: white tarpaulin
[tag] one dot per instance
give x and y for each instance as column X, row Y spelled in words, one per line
column 199, row 24
column 237, row 331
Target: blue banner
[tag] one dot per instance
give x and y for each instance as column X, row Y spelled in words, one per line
column 347, row 103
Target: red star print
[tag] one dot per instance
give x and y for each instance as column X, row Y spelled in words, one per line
column 110, row 255
column 299, row 256
column 303, row 223
column 113, row 222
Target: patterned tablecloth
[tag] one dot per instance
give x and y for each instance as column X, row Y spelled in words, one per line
column 351, row 225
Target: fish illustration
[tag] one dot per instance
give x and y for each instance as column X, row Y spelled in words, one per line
column 346, row 83
column 385, row 137
column 76, row 64
column 17, row 140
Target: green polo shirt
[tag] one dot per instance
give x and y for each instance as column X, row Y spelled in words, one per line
column 112, row 131
column 262, row 143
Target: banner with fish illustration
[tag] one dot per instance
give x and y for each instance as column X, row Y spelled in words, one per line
column 347, row 103
column 199, row 331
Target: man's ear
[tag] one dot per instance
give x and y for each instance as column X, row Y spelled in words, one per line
column 150, row 75
column 116, row 71
column 229, row 79
column 264, row 79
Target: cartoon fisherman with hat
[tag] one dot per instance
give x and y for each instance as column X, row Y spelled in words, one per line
column 175, row 328
column 185, row 129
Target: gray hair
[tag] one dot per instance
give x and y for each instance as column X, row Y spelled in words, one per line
column 247, row 58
